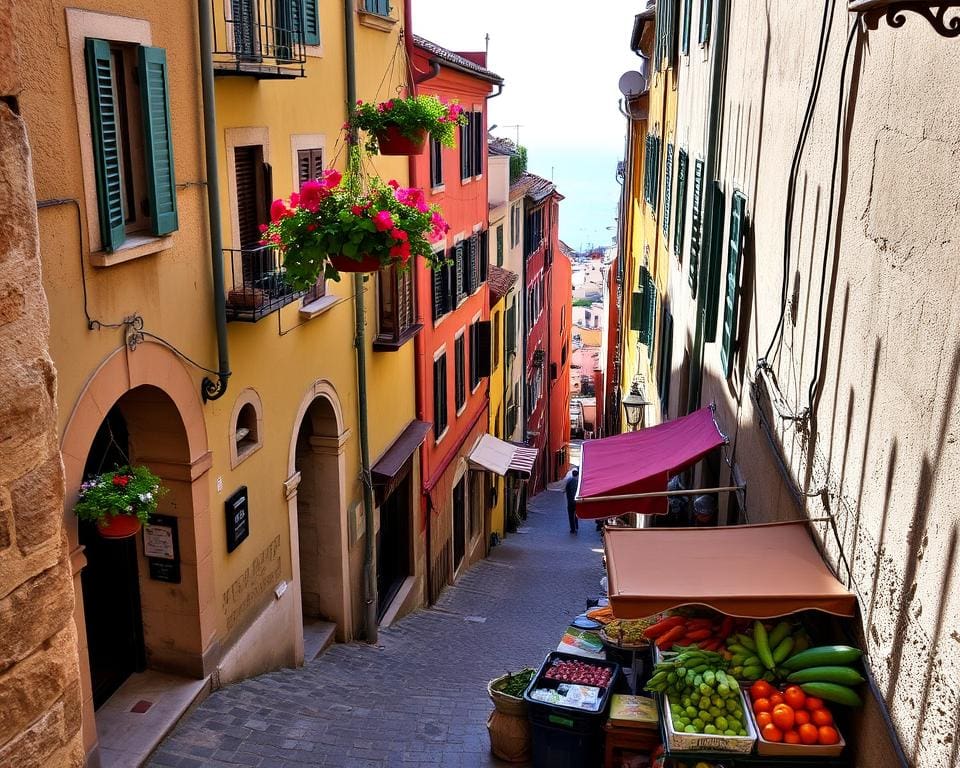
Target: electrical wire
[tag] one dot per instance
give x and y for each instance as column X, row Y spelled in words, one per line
column 815, row 379
column 178, row 353
column 826, row 28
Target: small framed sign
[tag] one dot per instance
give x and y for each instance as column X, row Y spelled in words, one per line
column 161, row 547
column 237, row 518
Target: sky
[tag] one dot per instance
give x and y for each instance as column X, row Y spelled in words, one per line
column 560, row 62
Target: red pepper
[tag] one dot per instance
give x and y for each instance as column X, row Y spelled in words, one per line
column 698, row 634
column 726, row 627
column 662, row 626
column 674, row 634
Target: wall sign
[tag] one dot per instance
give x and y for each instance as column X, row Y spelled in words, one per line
column 237, row 518
column 161, row 547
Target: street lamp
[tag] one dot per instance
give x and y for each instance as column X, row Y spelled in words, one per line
column 635, row 405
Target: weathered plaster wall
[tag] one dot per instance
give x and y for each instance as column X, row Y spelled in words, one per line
column 881, row 452
column 39, row 673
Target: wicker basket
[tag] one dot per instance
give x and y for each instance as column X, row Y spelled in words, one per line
column 509, row 705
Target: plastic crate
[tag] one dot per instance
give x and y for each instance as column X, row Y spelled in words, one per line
column 594, row 717
column 555, row 746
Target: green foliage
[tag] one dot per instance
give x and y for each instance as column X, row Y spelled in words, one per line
column 582, row 303
column 125, row 491
column 518, row 163
column 411, row 115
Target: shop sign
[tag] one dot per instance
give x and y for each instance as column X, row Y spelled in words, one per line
column 237, row 518
column 161, row 547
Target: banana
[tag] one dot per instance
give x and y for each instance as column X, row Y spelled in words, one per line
column 782, row 650
column 779, row 632
column 763, row 646
column 746, row 641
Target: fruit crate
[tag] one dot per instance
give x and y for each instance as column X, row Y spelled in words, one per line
column 777, row 748
column 541, row 681
column 678, row 741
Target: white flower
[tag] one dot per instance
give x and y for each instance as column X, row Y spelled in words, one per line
column 146, row 498
column 129, row 508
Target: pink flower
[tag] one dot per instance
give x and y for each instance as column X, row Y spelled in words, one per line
column 312, row 194
column 332, row 177
column 401, row 252
column 279, row 210
column 263, row 228
column 393, row 183
column 356, row 210
column 294, row 199
column 359, row 102
column 398, row 234
column 383, row 221
column 389, row 104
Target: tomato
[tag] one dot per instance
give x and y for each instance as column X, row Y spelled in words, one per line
column 794, row 696
column 827, row 735
column 764, row 718
column 809, row 733
column 821, row 717
column 801, row 717
column 771, row 733
column 791, row 737
column 761, row 690
column 762, row 705
column 813, row 703
column 775, row 699
column 783, row 717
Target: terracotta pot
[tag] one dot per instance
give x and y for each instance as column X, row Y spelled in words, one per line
column 119, row 526
column 364, row 264
column 392, row 142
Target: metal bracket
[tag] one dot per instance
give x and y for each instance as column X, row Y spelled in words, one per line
column 944, row 17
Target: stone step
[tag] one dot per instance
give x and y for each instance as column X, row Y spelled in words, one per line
column 318, row 635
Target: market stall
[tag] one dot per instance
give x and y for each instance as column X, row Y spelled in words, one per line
column 629, row 473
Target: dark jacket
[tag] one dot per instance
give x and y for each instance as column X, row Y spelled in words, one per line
column 570, row 489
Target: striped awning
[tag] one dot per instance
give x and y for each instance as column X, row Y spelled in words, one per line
column 500, row 457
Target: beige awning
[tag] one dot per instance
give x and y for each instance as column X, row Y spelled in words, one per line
column 500, row 457
column 753, row 571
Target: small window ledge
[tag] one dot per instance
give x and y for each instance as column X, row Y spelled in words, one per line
column 387, row 344
column 438, row 190
column 132, row 248
column 441, row 435
column 318, row 307
column 376, row 21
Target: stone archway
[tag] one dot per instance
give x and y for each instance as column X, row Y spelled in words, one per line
column 160, row 404
column 319, row 537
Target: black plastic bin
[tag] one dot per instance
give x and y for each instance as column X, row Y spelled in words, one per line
column 568, row 737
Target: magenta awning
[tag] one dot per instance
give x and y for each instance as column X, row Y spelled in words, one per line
column 642, row 462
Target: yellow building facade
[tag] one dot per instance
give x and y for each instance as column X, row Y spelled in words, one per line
column 263, row 530
column 648, row 215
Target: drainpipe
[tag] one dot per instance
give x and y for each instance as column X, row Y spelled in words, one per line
column 709, row 173
column 209, row 389
column 369, row 550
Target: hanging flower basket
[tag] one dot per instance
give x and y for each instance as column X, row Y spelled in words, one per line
column 399, row 126
column 343, row 263
column 392, row 142
column 119, row 502
column 327, row 228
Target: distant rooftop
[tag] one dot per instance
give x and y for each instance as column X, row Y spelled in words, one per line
column 499, row 281
column 456, row 60
column 498, row 146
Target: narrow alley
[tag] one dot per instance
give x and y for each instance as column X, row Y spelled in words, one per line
column 419, row 698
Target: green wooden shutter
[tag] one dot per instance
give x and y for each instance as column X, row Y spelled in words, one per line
column 665, row 359
column 732, row 300
column 681, row 215
column 668, row 194
column 311, row 22
column 695, row 224
column 714, row 258
column 158, row 139
column 636, row 310
column 706, row 18
column 105, row 127
column 685, row 28
column 647, row 335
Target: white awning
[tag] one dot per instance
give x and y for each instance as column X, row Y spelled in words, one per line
column 500, row 457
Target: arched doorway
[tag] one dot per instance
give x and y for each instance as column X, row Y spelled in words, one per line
column 323, row 568
column 143, row 406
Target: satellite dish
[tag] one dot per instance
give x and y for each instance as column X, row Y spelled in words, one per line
column 632, row 84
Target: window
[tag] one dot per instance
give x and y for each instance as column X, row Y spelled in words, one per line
column 732, row 298
column 711, row 266
column 443, row 284
column 706, row 17
column 472, row 265
column 516, row 222
column 472, row 146
column 681, row 218
column 479, row 145
column 533, row 231
column 132, row 140
column 500, row 245
column 667, row 195
column 459, row 374
column 695, row 223
column 436, row 163
column 246, row 431
column 379, row 7
column 665, row 360
column 311, row 20
column 254, row 190
column 648, row 314
column 483, row 243
column 651, row 177
column 666, row 43
column 395, row 308
column 496, row 339
column 479, row 352
column 310, row 166
column 439, row 395
column 510, row 328
column 460, row 267
column 685, row 28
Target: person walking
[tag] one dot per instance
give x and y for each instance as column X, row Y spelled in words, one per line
column 570, row 489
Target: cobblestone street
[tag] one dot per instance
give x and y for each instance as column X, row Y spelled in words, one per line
column 420, row 697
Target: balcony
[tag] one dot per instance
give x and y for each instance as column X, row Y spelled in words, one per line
column 257, row 285
column 263, row 39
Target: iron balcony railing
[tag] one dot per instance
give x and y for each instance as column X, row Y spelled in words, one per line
column 259, row 38
column 258, row 284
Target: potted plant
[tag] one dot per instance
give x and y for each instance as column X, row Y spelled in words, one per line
column 400, row 126
column 119, row 502
column 328, row 228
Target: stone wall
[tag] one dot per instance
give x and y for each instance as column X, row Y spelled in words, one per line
column 39, row 673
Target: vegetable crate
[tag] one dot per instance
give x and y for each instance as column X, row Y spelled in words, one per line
column 781, row 749
column 678, row 741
